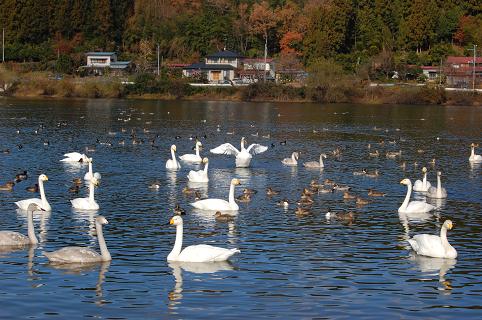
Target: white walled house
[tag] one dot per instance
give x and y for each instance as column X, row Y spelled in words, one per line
column 218, row 67
column 99, row 62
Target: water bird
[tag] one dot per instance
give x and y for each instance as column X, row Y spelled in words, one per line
column 200, row 175
column 413, row 206
column 302, row 212
column 293, row 161
column 438, row 192
column 42, row 202
column 361, row 201
column 374, row 154
column 282, row 143
column 178, row 210
column 360, row 172
column 172, row 163
column 155, row 185
column 33, row 188
column 284, row 203
column 374, row 193
column 83, row 254
column 244, row 155
column 74, row 157
column 21, row 176
column 348, row 217
column 348, row 196
column 77, row 181
column 475, row 158
column 339, row 187
column 196, row 253
column 249, row 191
column 88, row 203
column 315, row 164
column 89, row 174
column 12, row 238
column 244, row 198
column 187, row 190
column 193, row 158
column 271, row 192
column 393, row 154
column 74, row 189
column 422, row 185
column 220, row 204
column 223, row 217
column 8, row 186
column 434, row 246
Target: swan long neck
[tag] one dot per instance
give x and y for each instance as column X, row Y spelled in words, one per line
column 443, row 237
column 321, row 161
column 91, row 190
column 90, row 169
column 30, row 228
column 242, row 145
column 472, row 152
column 197, row 150
column 177, row 244
column 231, row 194
column 407, row 197
column 293, row 157
column 424, row 180
column 103, row 247
column 42, row 192
column 173, row 155
column 206, row 167
column 439, row 185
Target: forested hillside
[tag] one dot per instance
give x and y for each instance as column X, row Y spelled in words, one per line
column 299, row 31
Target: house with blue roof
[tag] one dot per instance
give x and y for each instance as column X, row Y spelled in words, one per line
column 99, row 62
column 218, row 67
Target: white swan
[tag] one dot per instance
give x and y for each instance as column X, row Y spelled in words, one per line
column 439, row 192
column 201, row 175
column 434, row 246
column 422, row 185
column 293, row 161
column 82, row 254
column 88, row 203
column 42, row 202
column 75, row 157
column 413, row 206
column 89, row 174
column 243, row 156
column 474, row 157
column 173, row 163
column 314, row 164
column 219, row 204
column 12, row 238
column 194, row 158
column 197, row 253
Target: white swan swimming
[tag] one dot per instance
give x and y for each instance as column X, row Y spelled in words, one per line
column 83, row 254
column 293, row 161
column 42, row 202
column 315, row 164
column 422, row 185
column 434, row 246
column 244, row 155
column 173, row 163
column 439, row 192
column 12, row 238
column 474, row 157
column 194, row 158
column 413, row 206
column 196, row 253
column 89, row 174
column 75, row 157
column 219, row 204
column 88, row 203
column 201, row 175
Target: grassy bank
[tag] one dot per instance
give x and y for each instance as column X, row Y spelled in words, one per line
column 149, row 87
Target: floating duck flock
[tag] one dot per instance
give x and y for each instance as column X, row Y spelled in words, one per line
column 224, row 210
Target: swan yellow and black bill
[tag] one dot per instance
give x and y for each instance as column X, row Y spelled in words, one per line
column 171, row 221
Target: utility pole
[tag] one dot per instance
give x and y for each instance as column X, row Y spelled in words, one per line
column 158, row 59
column 473, row 71
column 265, row 55
column 3, row 45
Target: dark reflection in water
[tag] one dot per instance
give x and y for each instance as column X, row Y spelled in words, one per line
column 289, row 266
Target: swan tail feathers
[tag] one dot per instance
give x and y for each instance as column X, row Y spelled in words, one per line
column 413, row 244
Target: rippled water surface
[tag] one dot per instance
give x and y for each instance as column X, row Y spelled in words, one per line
column 289, row 266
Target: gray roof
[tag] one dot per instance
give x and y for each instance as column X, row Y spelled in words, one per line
column 204, row 66
column 100, row 53
column 119, row 64
column 225, row 54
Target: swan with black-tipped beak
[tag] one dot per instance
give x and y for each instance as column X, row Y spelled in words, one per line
column 244, row 155
column 200, row 175
column 434, row 246
column 438, row 192
column 413, row 206
column 475, row 158
column 42, row 202
column 88, row 203
column 193, row 158
column 89, row 174
column 422, row 185
column 12, row 238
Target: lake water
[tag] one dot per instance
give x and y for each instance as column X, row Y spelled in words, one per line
column 289, row 266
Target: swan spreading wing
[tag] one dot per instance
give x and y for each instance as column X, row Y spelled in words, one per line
column 226, row 148
column 256, row 148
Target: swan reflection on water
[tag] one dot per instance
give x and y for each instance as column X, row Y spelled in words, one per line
column 87, row 215
column 437, row 267
column 40, row 218
column 81, row 268
column 175, row 295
